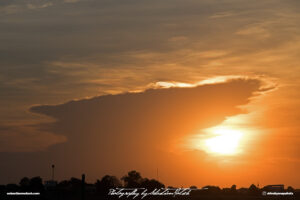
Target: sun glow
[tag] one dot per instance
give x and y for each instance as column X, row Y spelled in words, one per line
column 225, row 142
column 221, row 140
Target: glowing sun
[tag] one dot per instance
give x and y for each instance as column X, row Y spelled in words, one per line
column 225, row 141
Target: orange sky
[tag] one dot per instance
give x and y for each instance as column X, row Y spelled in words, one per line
column 189, row 67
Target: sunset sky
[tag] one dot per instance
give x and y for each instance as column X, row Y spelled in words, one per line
column 205, row 91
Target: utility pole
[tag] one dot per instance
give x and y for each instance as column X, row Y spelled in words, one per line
column 53, row 166
column 83, row 187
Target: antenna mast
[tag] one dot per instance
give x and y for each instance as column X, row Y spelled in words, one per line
column 53, row 166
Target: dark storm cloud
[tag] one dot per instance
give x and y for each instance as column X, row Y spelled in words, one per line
column 143, row 125
column 154, row 103
column 147, row 120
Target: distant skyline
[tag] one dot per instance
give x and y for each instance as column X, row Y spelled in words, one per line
column 206, row 91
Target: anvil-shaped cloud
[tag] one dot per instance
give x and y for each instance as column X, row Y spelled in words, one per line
column 130, row 129
column 116, row 133
column 155, row 114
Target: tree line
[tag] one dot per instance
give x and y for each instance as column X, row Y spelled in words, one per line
column 75, row 187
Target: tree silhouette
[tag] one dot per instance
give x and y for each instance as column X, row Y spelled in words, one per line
column 133, row 179
column 212, row 190
column 75, row 184
column 233, row 189
column 290, row 189
column 106, row 183
column 36, row 184
column 254, row 190
column 24, row 183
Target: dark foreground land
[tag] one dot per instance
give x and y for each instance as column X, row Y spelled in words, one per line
column 191, row 197
column 133, row 186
